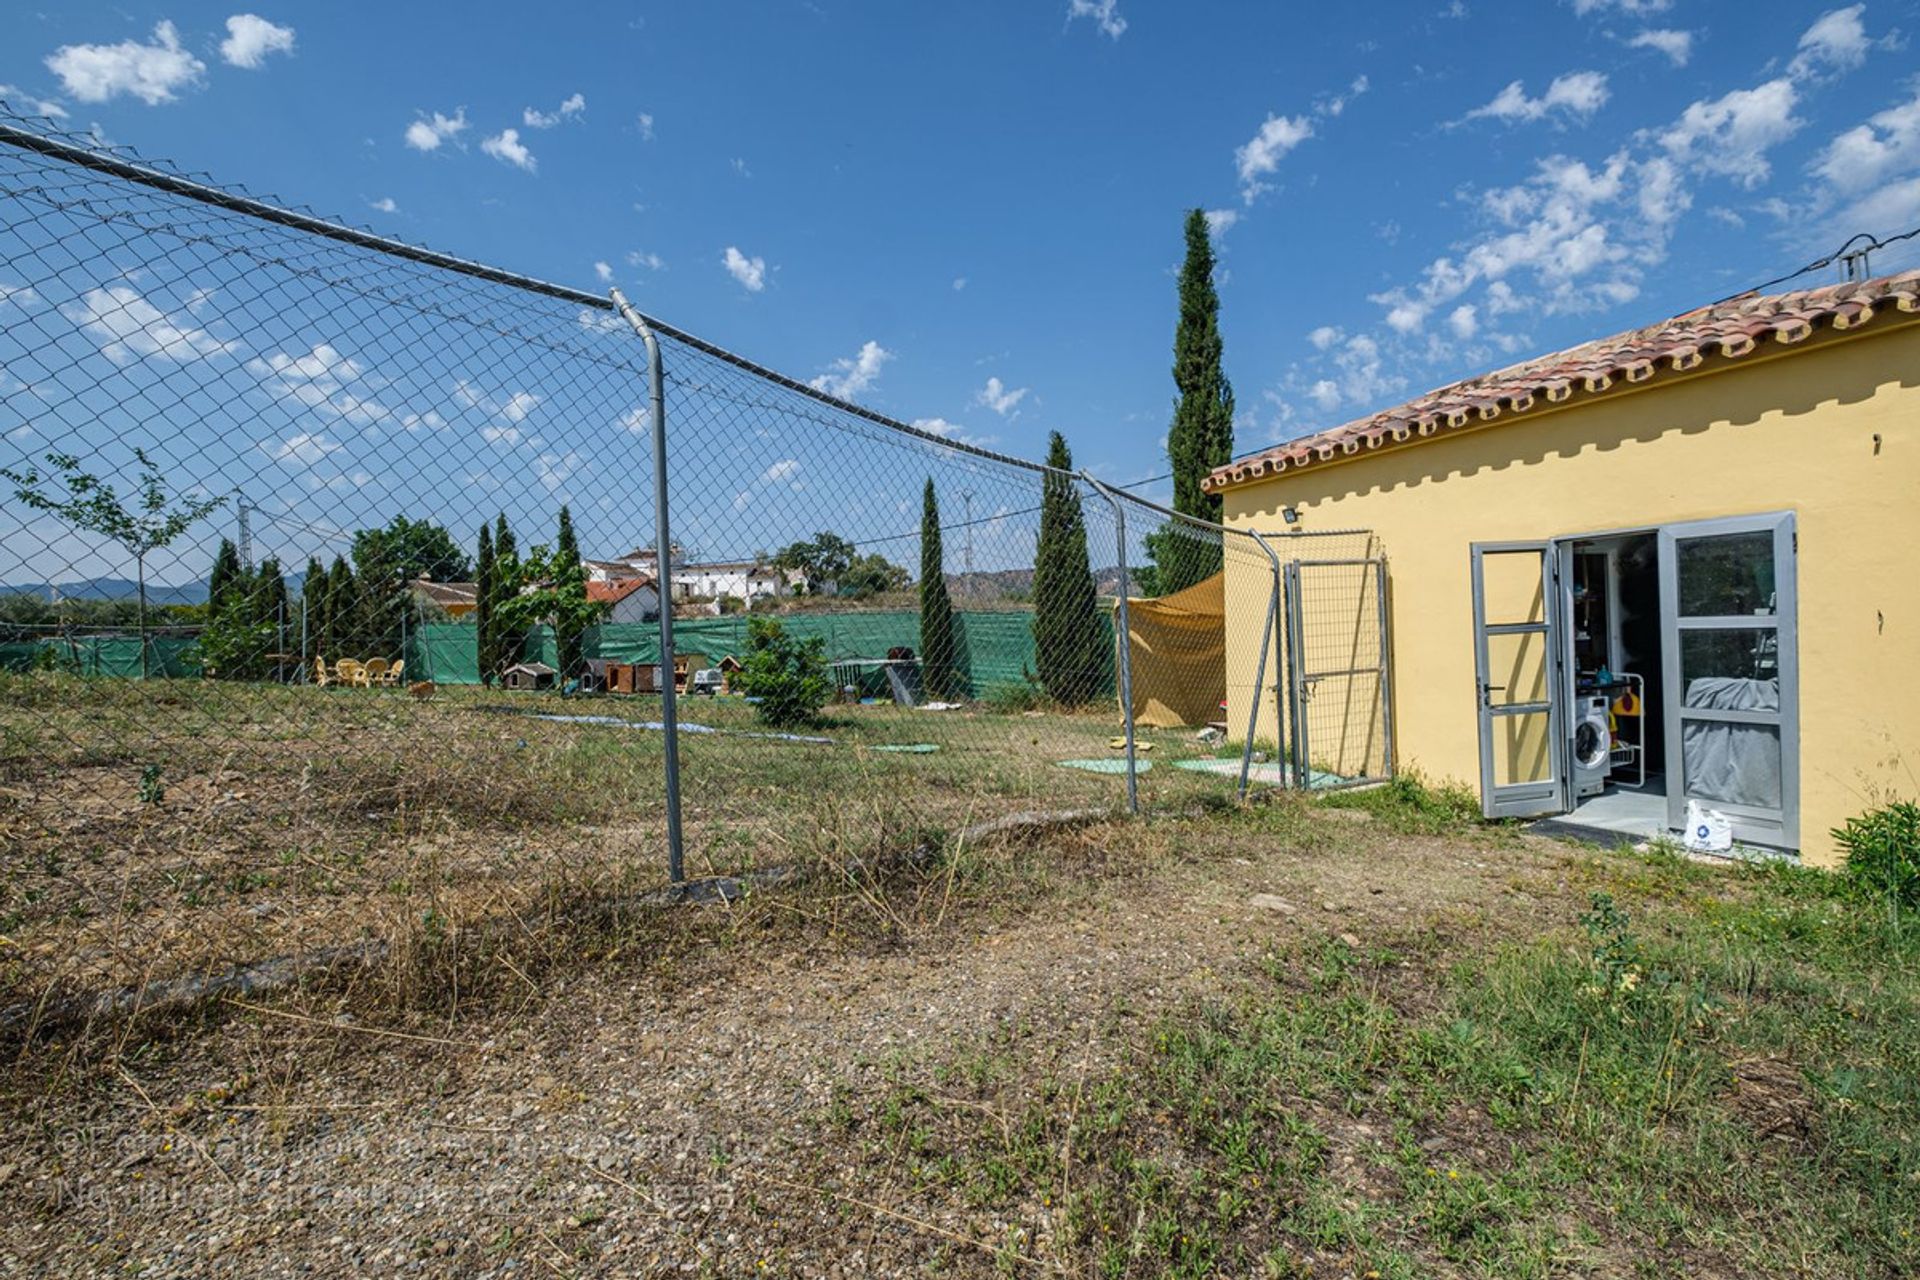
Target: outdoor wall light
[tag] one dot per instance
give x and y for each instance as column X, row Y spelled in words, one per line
column 1290, row 514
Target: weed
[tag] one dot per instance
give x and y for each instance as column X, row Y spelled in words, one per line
column 152, row 788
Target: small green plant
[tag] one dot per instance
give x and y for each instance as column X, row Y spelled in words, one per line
column 1011, row 699
column 152, row 788
column 1615, row 954
column 1883, row 854
column 787, row 675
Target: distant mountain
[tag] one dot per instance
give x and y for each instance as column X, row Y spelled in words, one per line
column 111, row 589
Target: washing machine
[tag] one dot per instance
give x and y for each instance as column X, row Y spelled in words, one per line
column 1592, row 746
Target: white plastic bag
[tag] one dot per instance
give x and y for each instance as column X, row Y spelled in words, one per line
column 1708, row 830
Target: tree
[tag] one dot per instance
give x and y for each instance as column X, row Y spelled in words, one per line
column 872, row 575
column 504, row 644
column 313, row 604
column 93, row 507
column 787, row 675
column 227, row 572
column 547, row 592
column 572, row 613
column 342, row 631
column 1073, row 645
column 940, row 667
column 484, row 574
column 414, row 549
column 1201, row 437
column 825, row 560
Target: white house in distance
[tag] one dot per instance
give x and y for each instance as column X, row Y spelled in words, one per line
column 634, row 599
column 744, row 580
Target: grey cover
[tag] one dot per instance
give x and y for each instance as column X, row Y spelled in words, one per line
column 1732, row 763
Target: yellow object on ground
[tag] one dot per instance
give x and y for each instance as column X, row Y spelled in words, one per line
column 1178, row 653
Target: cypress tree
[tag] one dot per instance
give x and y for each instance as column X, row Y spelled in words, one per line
column 1201, row 437
column 226, row 573
column 342, row 611
column 1073, row 646
column 506, row 644
column 940, row 665
column 483, row 587
column 313, row 603
column 570, row 583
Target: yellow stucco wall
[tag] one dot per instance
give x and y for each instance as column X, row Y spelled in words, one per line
column 1829, row 431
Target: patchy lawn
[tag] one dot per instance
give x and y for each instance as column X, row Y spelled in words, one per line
column 1287, row 1040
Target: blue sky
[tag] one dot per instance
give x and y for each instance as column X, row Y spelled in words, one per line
column 969, row 214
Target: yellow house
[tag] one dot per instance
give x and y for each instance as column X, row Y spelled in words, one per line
column 1679, row 564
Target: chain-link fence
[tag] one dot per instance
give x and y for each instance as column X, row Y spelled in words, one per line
column 340, row 602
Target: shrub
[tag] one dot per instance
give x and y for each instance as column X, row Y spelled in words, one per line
column 1883, row 853
column 787, row 675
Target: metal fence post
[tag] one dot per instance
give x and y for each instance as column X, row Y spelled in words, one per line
column 1125, row 645
column 1260, row 675
column 663, row 585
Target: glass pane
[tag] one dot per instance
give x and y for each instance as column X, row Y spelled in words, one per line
column 1732, row 763
column 1727, row 574
column 1511, row 587
column 1716, row 665
column 1522, row 749
column 1517, row 668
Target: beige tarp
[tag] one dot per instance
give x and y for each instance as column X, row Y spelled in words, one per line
column 1178, row 653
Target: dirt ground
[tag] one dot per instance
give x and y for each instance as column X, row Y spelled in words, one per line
column 671, row 1113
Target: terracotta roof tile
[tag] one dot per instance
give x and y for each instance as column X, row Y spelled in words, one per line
column 616, row 591
column 1726, row 330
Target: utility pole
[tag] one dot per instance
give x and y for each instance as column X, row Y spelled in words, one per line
column 244, row 509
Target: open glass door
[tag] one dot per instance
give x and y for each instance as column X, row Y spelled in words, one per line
column 1730, row 670
column 1515, row 601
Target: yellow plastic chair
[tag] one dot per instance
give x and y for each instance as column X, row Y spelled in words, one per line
column 376, row 671
column 349, row 672
column 320, row 676
column 394, row 672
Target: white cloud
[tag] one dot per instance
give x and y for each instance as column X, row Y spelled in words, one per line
column 428, row 132
column 1105, row 15
column 651, row 261
column 1676, row 45
column 1465, row 321
column 20, row 295
column 306, row 447
column 1577, row 93
column 572, row 107
column 785, row 469
column 638, row 420
column 959, row 283
column 848, row 376
column 1837, row 41
column 1220, row 221
column 1894, row 207
column 250, row 38
column 1324, row 337
column 507, row 148
column 644, row 122
column 1000, row 398
column 1632, row 8
column 1261, row 156
column 1731, row 135
column 604, row 271
column 507, row 413
column 128, row 327
column 1887, row 145
column 384, row 204
column 152, row 72
column 324, row 379
column 555, row 469
column 953, row 431
column 750, row 272
column 1338, row 102
column 20, row 100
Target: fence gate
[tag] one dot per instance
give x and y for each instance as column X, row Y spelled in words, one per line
column 1339, row 672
